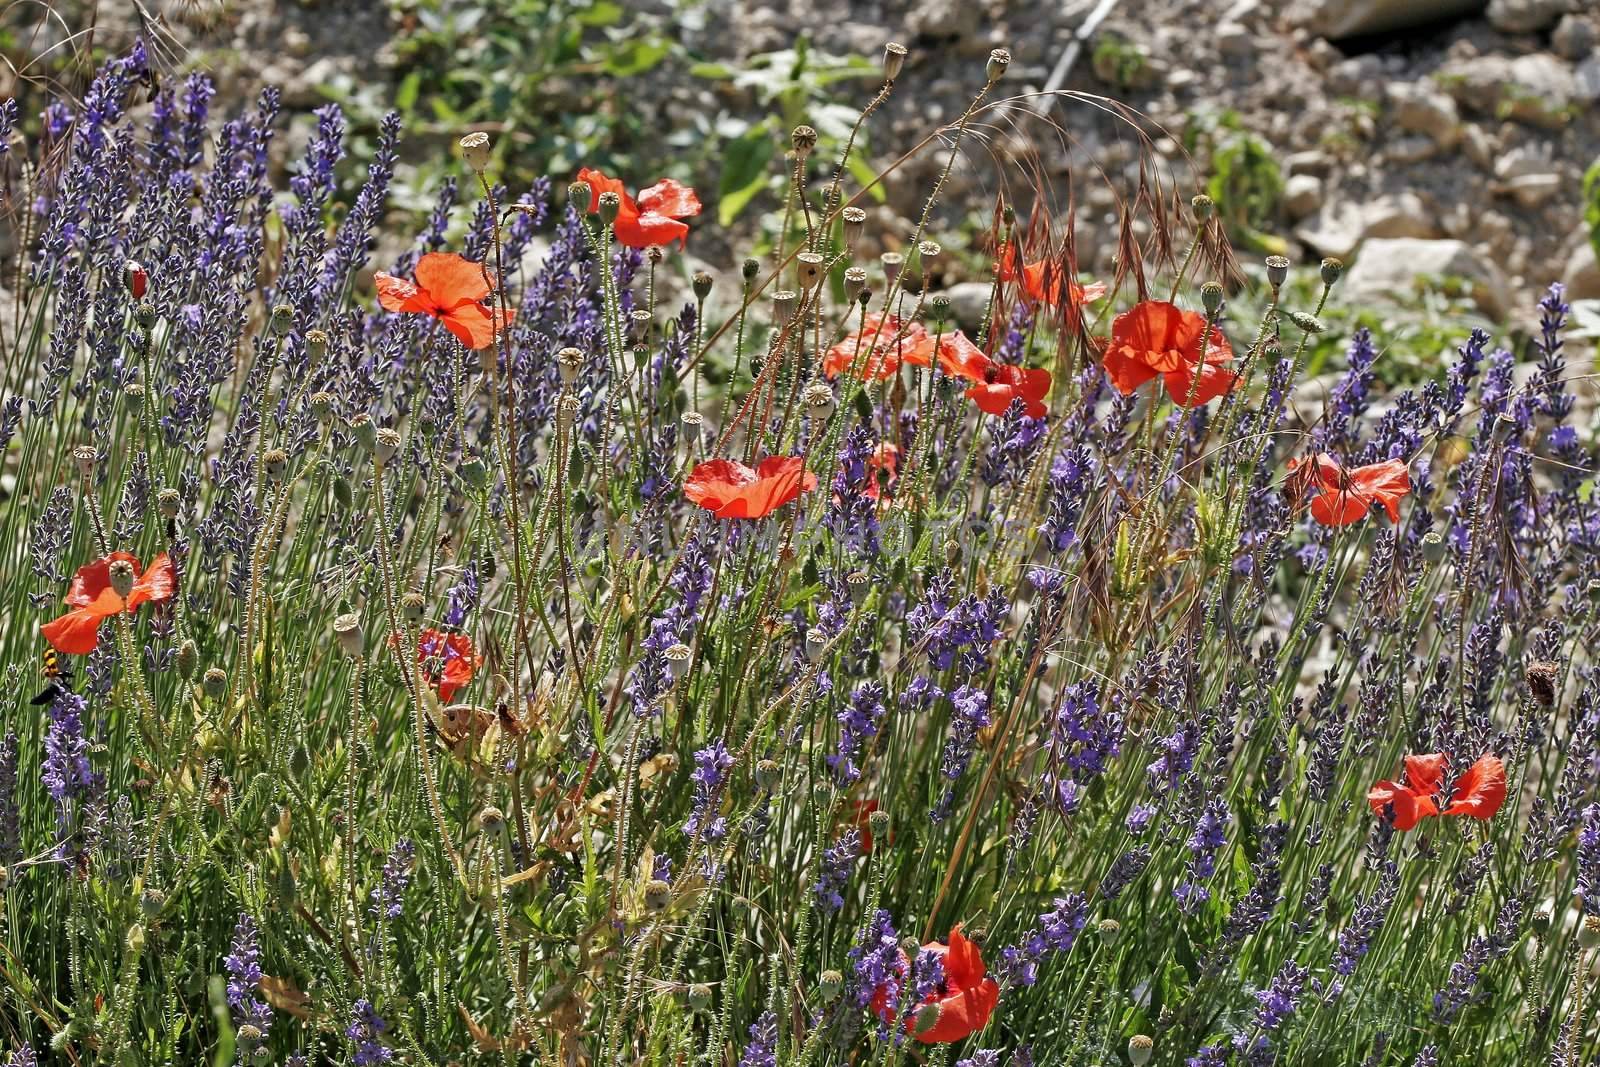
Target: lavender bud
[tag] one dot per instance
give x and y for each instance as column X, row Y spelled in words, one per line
column 168, row 501
column 803, row 139
column 386, row 442
column 830, row 985
column 1211, row 297
column 1331, row 269
column 768, row 774
column 133, row 396
column 657, row 894
column 855, row 221
column 783, row 305
column 492, row 820
column 1140, row 1049
column 892, row 262
column 282, row 320
column 894, row 58
column 818, row 399
column 322, row 406
column 475, row 150
column 1277, row 270
column 188, row 659
column 610, row 207
column 411, row 605
column 808, row 269
column 84, row 457
column 569, row 361
column 816, row 641
column 999, row 60
column 347, row 630
column 274, row 461
column 855, row 282
column 122, row 577
column 214, row 683
column 677, row 657
column 701, row 281
column 579, row 195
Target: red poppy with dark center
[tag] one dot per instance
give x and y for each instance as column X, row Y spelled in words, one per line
column 966, row 998
column 448, row 660
column 1346, row 495
column 1157, row 339
column 650, row 220
column 883, row 467
column 94, row 600
column 874, row 352
column 730, row 490
column 450, row 288
column 1479, row 792
column 1046, row 282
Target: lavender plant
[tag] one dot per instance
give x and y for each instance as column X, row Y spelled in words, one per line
column 500, row 657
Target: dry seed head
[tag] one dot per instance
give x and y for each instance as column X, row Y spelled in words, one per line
column 133, row 396
column 699, row 996
column 1589, row 933
column 347, row 630
column 411, row 605
column 362, row 429
column 894, row 58
column 249, row 1034
column 701, row 282
column 803, row 139
column 610, row 207
column 84, row 457
column 999, row 60
column 316, row 344
column 566, row 413
column 639, row 321
column 122, row 577
column 1140, row 1049
column 282, row 320
column 579, row 195
column 816, row 641
column 386, row 442
column 692, row 429
column 855, row 222
column 1202, row 205
column 657, row 894
column 878, row 823
column 1331, row 269
column 569, row 361
column 783, row 305
column 855, row 282
column 475, row 150
column 892, row 262
column 322, row 406
column 169, row 502
column 677, row 657
column 188, row 659
column 808, row 269
column 214, row 683
column 1277, row 270
column 492, row 820
column 1109, row 929
column 5, row 879
column 929, row 251
column 274, row 462
column 858, row 584
column 768, row 774
column 818, row 399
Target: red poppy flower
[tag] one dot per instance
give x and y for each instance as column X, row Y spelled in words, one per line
column 653, row 218
column 93, row 600
column 1154, row 338
column 966, row 998
column 730, row 490
column 447, row 659
column 1478, row 793
column 451, row 289
column 1347, row 495
column 1045, row 282
column 885, row 458
column 877, row 349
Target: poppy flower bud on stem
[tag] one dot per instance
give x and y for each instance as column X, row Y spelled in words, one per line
column 1307, row 323
column 803, row 139
column 855, row 281
column 214, row 683
column 999, row 60
column 135, row 278
column 894, row 58
column 347, row 630
column 808, row 269
column 926, row 1019
column 1140, row 1049
column 610, row 207
column 475, row 150
column 1277, row 270
column 892, row 262
column 1211, row 298
column 1331, row 269
column 702, row 282
column 569, row 361
column 122, row 577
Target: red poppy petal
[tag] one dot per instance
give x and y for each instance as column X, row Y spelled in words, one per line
column 1125, row 373
column 93, row 578
column 451, row 280
column 1426, row 772
column 397, row 294
column 963, row 1013
column 472, row 323
column 76, row 633
column 598, row 183
column 961, row 358
column 649, row 228
column 1337, row 509
column 1481, row 791
column 670, row 198
column 1215, row 381
column 1409, row 808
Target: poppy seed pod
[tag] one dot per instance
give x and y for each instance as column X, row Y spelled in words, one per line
column 928, row 251
column 1140, row 1049
column 122, row 577
column 1211, row 298
column 473, row 472
column 1277, row 270
column 475, row 150
column 1541, row 922
column 492, row 820
column 803, row 139
column 701, row 281
column 136, row 278
column 569, row 362
column 1306, row 322
column 316, row 344
column 808, row 269
column 274, row 462
column 657, row 894
column 855, row 282
column 249, row 1034
column 783, row 305
column 411, row 605
column 1202, row 205
column 1542, row 677
column 639, row 324
column 878, row 823
column 816, row 641
column 566, row 413
column 169, row 503
column 939, row 307
column 858, row 584
column 347, row 630
column 1589, row 932
column 853, row 224
column 188, row 659
column 84, row 457
column 386, row 442
column 362, row 429
column 610, row 207
column 691, row 429
column 750, row 269
column 5, row 879
column 133, row 396
column 926, row 1019
column 894, row 58
column 995, row 69
column 282, row 320
column 892, row 262
column 699, row 996
column 677, row 657
column 151, row 901
column 818, row 399
column 322, row 406
column 1109, row 930
column 655, row 255
column 768, row 774
column 214, row 683
column 144, row 313
column 1331, row 269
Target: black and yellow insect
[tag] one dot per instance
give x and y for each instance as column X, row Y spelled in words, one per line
column 57, row 678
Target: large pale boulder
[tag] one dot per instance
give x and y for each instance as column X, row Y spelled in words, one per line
column 1389, row 270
